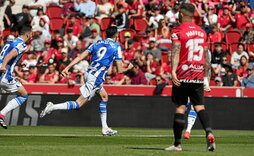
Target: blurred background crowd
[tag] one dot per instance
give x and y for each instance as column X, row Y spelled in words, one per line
column 65, row 28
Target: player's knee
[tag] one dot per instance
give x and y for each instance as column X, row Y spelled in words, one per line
column 72, row 105
column 21, row 99
column 198, row 108
column 103, row 106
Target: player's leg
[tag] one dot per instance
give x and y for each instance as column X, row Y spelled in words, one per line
column 103, row 114
column 180, row 99
column 14, row 103
column 198, row 104
column 192, row 115
column 87, row 92
column 68, row 105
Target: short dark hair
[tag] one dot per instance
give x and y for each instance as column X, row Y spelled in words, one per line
column 111, row 32
column 240, row 44
column 119, row 6
column 25, row 30
column 187, row 9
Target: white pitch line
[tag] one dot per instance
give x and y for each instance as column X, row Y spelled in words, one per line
column 90, row 135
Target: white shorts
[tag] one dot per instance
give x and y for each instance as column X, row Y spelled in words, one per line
column 89, row 89
column 10, row 86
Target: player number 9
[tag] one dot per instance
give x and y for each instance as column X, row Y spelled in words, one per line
column 100, row 53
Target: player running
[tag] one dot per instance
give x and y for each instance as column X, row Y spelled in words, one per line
column 103, row 52
column 10, row 55
column 190, row 62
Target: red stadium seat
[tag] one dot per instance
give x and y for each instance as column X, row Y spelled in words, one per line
column 223, row 45
column 54, row 11
column 140, row 24
column 121, row 34
column 6, row 32
column 136, row 44
column 103, row 34
column 212, row 83
column 56, row 23
column 106, row 22
column 251, row 47
column 152, row 82
column 232, row 36
column 233, row 47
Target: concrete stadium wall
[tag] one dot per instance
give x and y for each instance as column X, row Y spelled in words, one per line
column 130, row 111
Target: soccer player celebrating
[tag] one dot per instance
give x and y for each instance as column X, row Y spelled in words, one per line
column 190, row 62
column 103, row 52
column 10, row 55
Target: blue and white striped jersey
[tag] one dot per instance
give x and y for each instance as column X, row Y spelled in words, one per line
column 19, row 45
column 103, row 52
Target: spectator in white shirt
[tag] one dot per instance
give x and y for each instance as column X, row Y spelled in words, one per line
column 154, row 20
column 235, row 58
column 172, row 16
column 36, row 19
column 70, row 40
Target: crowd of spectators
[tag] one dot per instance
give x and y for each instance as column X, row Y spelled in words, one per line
column 51, row 50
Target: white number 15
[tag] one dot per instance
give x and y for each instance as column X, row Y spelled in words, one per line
column 193, row 46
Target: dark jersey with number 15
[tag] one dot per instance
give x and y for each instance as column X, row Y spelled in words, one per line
column 191, row 61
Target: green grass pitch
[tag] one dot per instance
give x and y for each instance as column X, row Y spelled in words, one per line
column 87, row 141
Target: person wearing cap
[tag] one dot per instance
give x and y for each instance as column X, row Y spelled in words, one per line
column 87, row 7
column 218, row 81
column 153, row 49
column 225, row 20
column 57, row 50
column 230, row 78
column 121, row 18
column 74, row 25
column 37, row 4
column 241, row 19
column 62, row 63
column 22, row 19
column 154, row 20
column 127, row 37
column 218, row 54
column 40, row 14
column 8, row 16
column 172, row 16
column 248, row 35
column 129, row 52
column 248, row 82
column 70, row 40
column 93, row 38
column 37, row 43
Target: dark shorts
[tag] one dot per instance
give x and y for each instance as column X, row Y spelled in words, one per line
column 192, row 90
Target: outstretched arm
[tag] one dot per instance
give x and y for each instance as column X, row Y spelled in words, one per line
column 175, row 60
column 75, row 61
